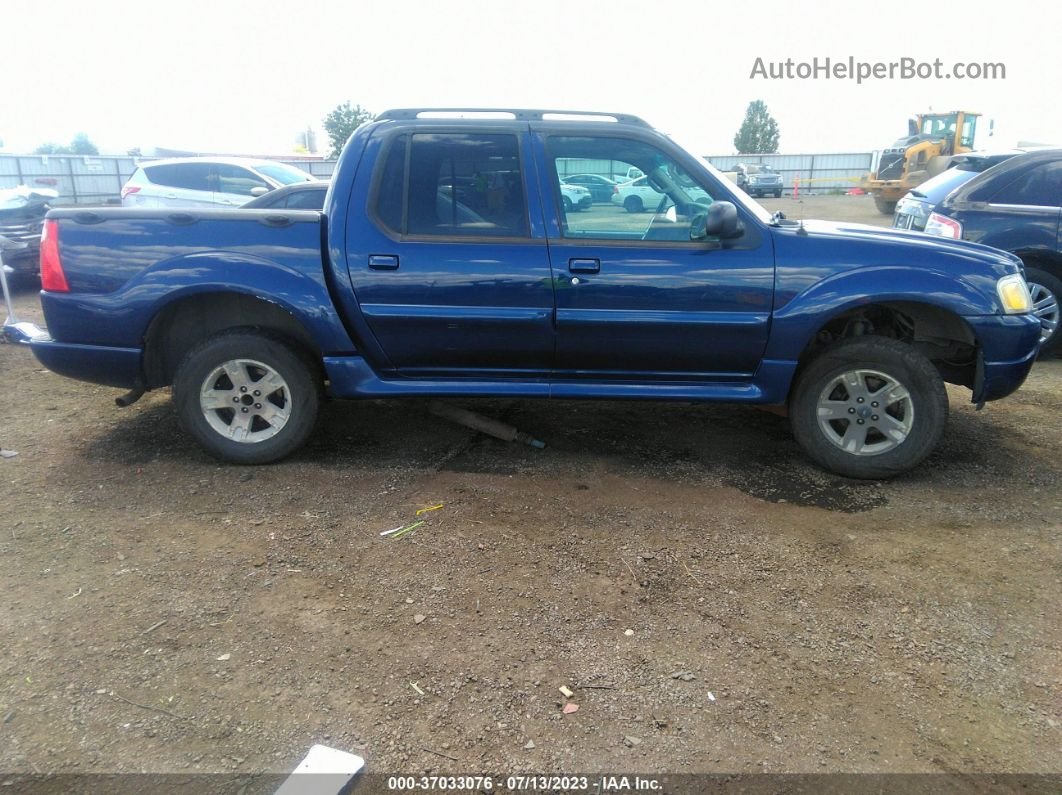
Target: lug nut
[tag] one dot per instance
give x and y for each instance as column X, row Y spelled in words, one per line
column 850, row 411
column 235, row 400
column 244, row 410
column 244, row 389
column 874, row 404
column 258, row 392
column 259, row 405
column 858, row 422
column 875, row 418
column 859, row 400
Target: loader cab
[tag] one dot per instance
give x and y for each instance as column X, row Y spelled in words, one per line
column 957, row 130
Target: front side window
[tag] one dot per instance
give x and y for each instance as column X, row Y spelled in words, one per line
column 453, row 185
column 283, row 173
column 238, row 180
column 658, row 206
column 1040, row 186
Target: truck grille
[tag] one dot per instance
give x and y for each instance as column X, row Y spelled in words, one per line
column 890, row 166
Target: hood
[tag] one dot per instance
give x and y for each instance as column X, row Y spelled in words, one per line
column 886, row 245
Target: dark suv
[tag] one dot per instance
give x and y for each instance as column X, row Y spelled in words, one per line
column 1015, row 206
column 912, row 211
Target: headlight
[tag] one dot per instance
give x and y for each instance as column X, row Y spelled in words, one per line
column 1014, row 294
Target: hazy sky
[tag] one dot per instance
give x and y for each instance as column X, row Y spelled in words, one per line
column 245, row 77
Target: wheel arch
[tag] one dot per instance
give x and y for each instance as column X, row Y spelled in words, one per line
column 185, row 322
column 940, row 334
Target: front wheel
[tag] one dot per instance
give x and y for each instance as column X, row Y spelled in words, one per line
column 869, row 407
column 246, row 397
column 885, row 207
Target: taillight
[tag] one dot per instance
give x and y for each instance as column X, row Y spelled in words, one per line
column 128, row 190
column 942, row 226
column 52, row 277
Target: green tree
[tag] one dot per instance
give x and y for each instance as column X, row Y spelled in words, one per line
column 342, row 121
column 81, row 145
column 51, row 148
column 758, row 133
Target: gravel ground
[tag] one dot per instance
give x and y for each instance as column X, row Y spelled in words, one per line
column 714, row 602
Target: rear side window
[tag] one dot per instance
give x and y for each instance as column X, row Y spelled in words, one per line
column 1040, row 186
column 455, row 185
column 188, row 176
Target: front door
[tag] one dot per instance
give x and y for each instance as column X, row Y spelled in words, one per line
column 637, row 299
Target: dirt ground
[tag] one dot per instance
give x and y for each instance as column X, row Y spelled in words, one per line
column 714, row 601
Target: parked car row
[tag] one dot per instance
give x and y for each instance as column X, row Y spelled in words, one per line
column 207, row 182
column 1010, row 201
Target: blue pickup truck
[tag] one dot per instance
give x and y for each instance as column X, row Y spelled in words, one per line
column 444, row 264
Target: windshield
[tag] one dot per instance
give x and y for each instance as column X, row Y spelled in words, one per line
column 939, row 125
column 285, row 175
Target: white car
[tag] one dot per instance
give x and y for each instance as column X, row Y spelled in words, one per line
column 206, row 181
column 637, row 196
column 575, row 197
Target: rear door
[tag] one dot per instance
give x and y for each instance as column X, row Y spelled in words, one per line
column 450, row 270
column 179, row 184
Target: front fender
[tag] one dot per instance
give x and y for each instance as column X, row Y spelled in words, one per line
column 803, row 314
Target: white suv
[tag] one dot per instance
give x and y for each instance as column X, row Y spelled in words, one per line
column 206, row 181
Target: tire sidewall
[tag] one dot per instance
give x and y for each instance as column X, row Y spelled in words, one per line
column 294, row 368
column 1054, row 284
column 895, row 359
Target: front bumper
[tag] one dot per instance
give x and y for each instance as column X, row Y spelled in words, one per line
column 1008, row 346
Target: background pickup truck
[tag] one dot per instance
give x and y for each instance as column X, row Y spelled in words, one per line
column 444, row 263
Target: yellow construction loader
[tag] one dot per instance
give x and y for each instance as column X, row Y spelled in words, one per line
column 931, row 141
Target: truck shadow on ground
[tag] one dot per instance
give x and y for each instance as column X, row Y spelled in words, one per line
column 701, row 445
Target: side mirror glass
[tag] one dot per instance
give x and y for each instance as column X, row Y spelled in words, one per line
column 259, row 191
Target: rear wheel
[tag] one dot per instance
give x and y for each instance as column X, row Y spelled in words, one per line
column 246, row 397
column 633, row 204
column 869, row 407
column 567, row 204
column 1046, row 293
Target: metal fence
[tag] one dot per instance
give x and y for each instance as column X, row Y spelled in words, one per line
column 818, row 173
column 88, row 179
column 98, row 179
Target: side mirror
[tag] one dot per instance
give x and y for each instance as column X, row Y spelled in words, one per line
column 259, row 191
column 721, row 221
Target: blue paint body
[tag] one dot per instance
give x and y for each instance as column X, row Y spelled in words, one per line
column 393, row 316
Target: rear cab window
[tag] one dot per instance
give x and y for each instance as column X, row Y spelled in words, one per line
column 451, row 184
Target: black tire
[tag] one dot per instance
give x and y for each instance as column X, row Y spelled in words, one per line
column 633, row 204
column 867, row 358
column 297, row 400
column 1042, row 283
column 885, row 207
column 777, row 194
